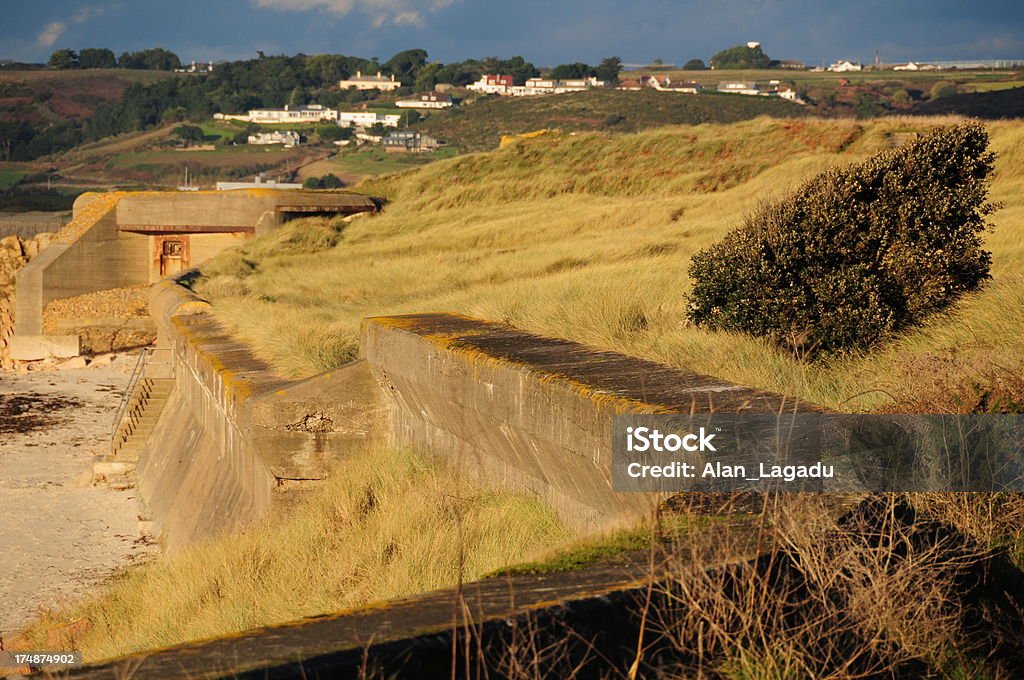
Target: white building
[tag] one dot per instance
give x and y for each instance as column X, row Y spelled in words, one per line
column 313, row 113
column 739, row 87
column 288, row 138
column 257, row 183
column 844, row 66
column 539, row 86
column 377, row 82
column 915, row 66
column 491, row 84
column 428, row 100
column 364, row 119
column 666, row 84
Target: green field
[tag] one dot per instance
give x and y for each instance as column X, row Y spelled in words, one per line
column 10, row 176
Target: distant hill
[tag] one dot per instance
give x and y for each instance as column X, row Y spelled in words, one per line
column 988, row 105
column 479, row 126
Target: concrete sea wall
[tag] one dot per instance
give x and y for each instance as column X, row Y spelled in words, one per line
column 235, row 441
column 530, row 412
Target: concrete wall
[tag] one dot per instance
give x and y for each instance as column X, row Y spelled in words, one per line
column 242, row 208
column 112, row 242
column 521, row 410
column 235, row 441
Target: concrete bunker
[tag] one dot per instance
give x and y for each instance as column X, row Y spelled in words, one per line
column 120, row 240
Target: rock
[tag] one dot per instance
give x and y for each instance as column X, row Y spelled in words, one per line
column 72, row 363
column 101, row 360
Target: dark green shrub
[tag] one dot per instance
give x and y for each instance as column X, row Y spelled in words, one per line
column 857, row 253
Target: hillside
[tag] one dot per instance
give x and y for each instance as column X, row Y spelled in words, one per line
column 479, row 127
column 997, row 105
column 46, row 95
column 589, row 237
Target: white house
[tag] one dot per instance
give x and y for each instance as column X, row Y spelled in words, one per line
column 364, row 119
column 313, row 113
column 739, row 87
column 666, row 84
column 491, row 84
column 288, row 138
column 539, row 86
column 427, row 100
column 915, row 66
column 377, row 82
column 843, row 66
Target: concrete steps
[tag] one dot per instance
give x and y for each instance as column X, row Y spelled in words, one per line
column 141, row 416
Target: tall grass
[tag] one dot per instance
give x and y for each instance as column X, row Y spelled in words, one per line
column 588, row 237
column 386, row 524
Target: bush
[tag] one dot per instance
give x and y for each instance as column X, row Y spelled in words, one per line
column 858, row 253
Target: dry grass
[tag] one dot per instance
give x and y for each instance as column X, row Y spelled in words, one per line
column 588, row 237
column 385, row 525
column 886, row 591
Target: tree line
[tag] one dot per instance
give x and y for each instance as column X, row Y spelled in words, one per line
column 154, row 59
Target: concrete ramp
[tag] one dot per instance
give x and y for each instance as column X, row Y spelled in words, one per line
column 520, row 410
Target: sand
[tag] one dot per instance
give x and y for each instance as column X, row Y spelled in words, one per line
column 60, row 537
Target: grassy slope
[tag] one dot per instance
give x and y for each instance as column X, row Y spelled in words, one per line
column 588, row 237
column 386, row 524
column 479, row 126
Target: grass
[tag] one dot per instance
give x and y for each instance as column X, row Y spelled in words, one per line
column 479, row 126
column 588, row 238
column 371, row 162
column 386, row 524
column 10, row 176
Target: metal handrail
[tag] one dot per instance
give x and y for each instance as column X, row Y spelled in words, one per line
column 140, row 369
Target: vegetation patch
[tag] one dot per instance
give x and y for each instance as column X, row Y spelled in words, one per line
column 579, row 237
column 858, row 253
column 384, row 525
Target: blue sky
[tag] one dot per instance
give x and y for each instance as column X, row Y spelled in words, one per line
column 546, row 32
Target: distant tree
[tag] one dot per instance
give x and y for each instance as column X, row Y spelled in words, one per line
column 406, row 65
column 331, row 181
column 240, row 138
column 428, row 77
column 155, row 59
column 377, row 130
column 943, row 89
column 63, row 59
column 741, row 57
column 328, row 181
column 189, row 134
column 609, row 69
column 520, row 69
column 694, row 65
column 657, row 61
column 97, row 57
column 572, row 71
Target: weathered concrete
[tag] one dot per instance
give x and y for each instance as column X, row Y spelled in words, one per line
column 234, row 435
column 521, row 410
column 116, row 240
column 36, row 347
column 223, row 210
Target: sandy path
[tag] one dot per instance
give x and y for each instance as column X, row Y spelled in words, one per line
column 61, row 536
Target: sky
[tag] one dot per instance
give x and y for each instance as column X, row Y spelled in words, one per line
column 546, row 32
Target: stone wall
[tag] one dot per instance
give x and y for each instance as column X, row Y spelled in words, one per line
column 15, row 253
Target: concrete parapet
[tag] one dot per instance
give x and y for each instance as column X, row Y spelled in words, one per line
column 234, row 435
column 532, row 412
column 241, row 209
